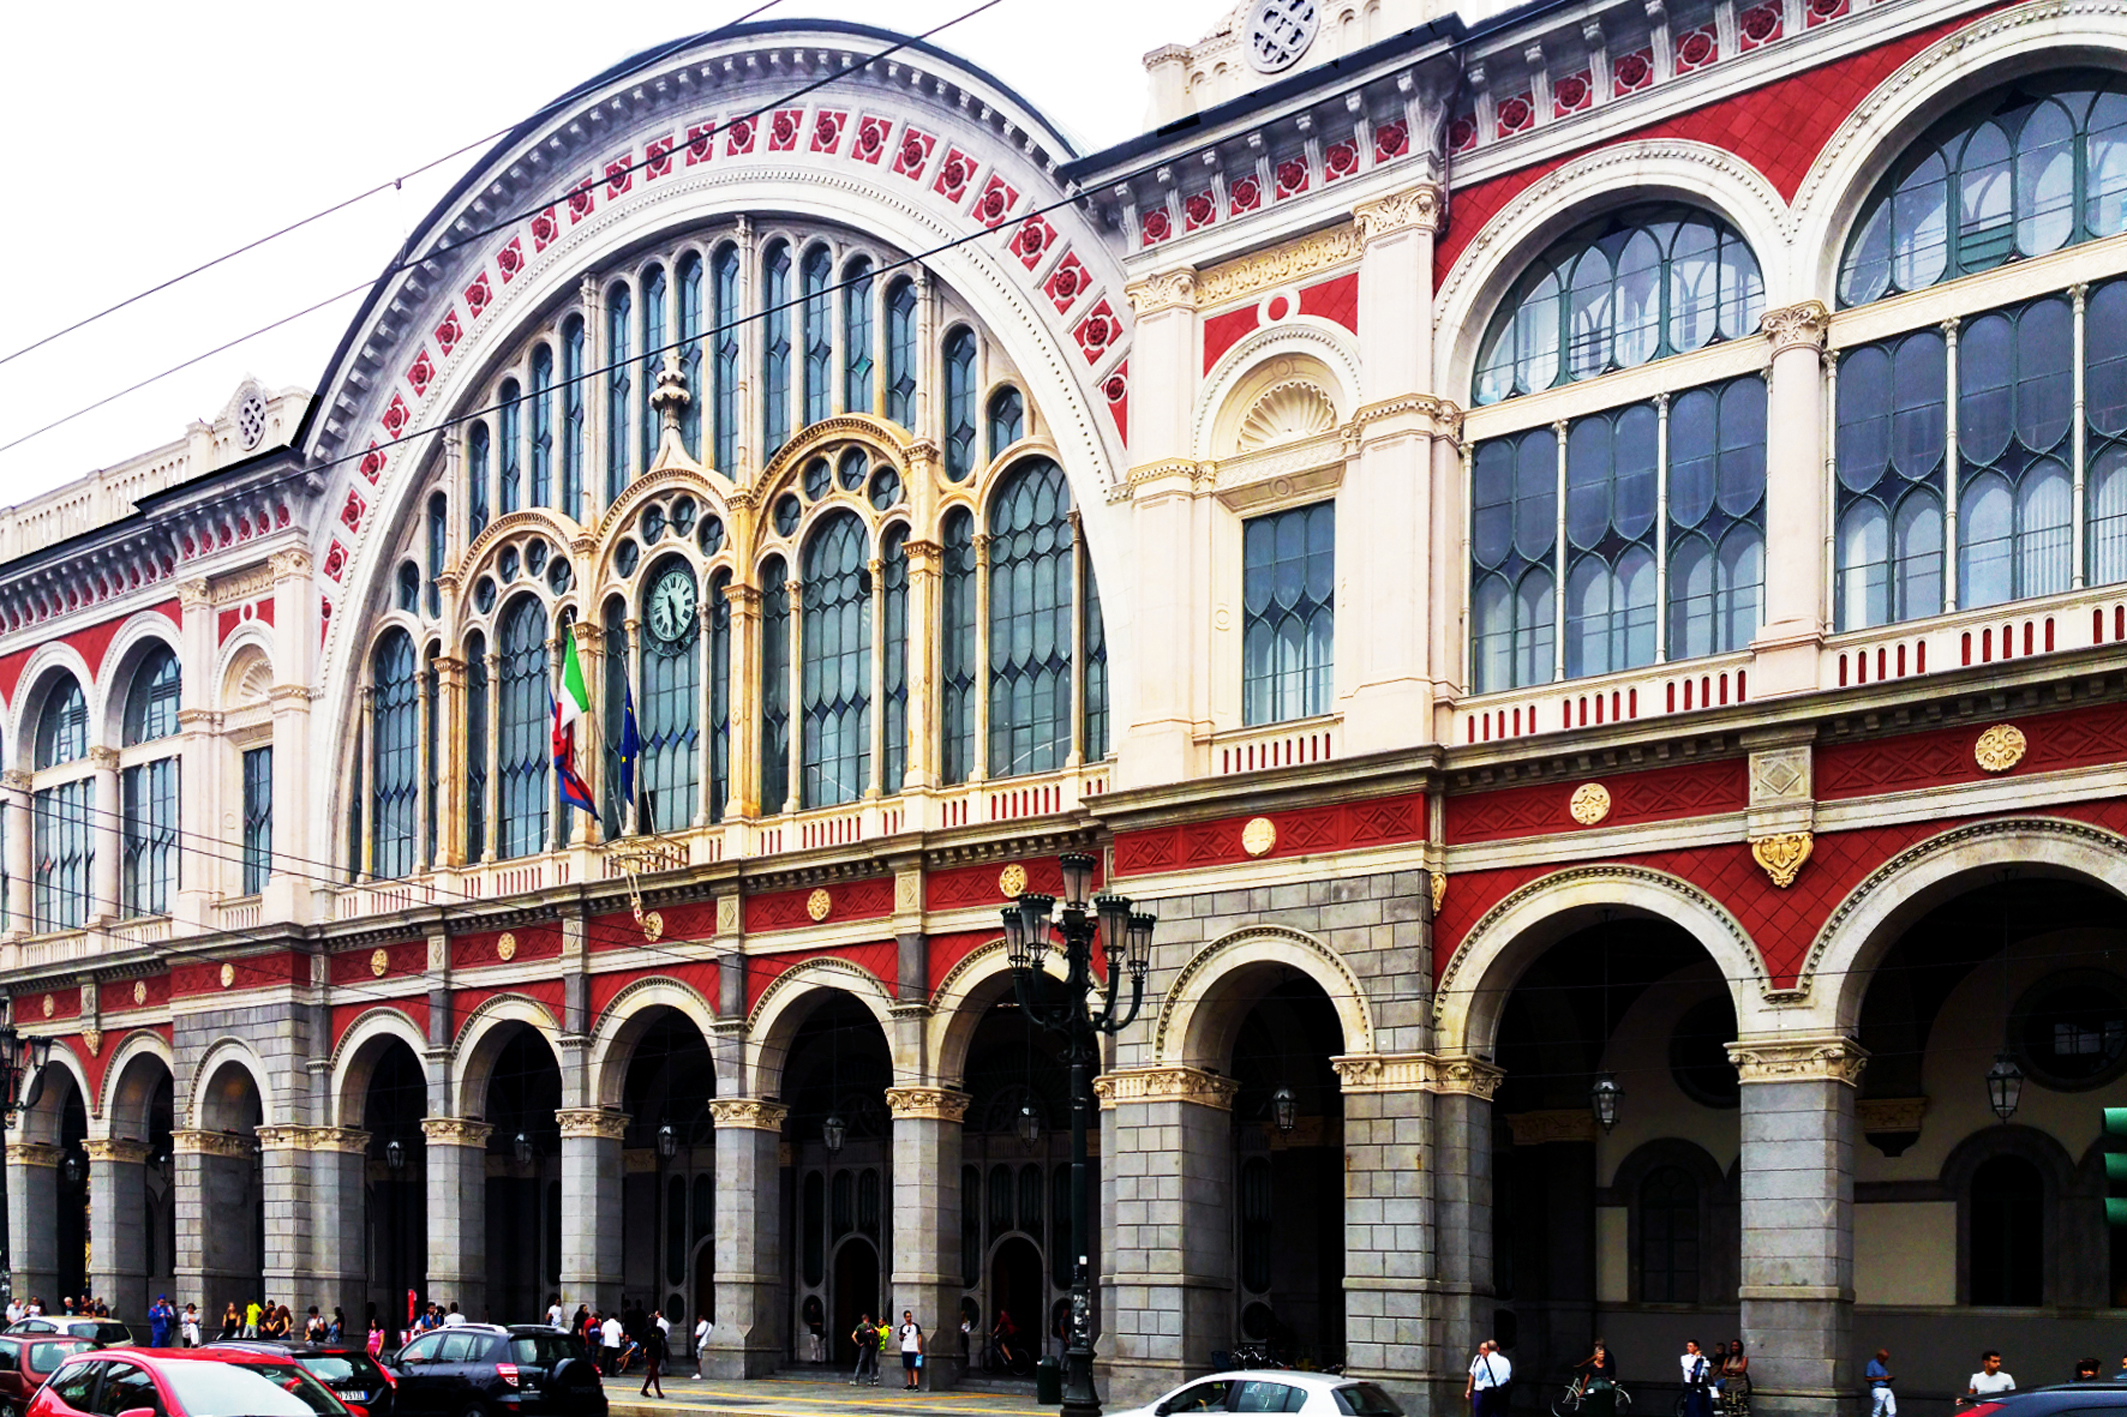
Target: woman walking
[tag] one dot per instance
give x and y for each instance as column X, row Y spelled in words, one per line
column 232, row 1322
column 653, row 1346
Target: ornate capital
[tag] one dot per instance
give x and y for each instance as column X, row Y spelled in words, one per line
column 1558, row 1124
column 1442, row 417
column 1385, row 1072
column 1891, row 1114
column 33, row 1153
column 292, row 564
column 1169, row 290
column 1804, row 1057
column 455, row 1131
column 937, row 1104
column 1466, row 1076
column 1797, row 326
column 193, row 594
column 15, row 780
column 1417, row 207
column 195, row 1143
column 116, row 1149
column 1171, row 1084
column 284, row 1138
column 599, row 1122
column 350, row 1141
column 753, row 1113
column 104, row 758
column 1782, row 855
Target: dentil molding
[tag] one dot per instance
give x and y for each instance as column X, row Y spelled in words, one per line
column 1817, row 1057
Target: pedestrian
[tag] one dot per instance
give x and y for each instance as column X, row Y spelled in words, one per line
column 1882, row 1401
column 581, row 1325
column 555, row 1313
column 232, row 1322
column 2086, row 1370
column 314, row 1326
column 1698, row 1377
column 1486, row 1388
column 160, row 1318
column 911, row 1351
column 1990, row 1378
column 336, row 1331
column 453, row 1318
column 1598, row 1382
column 866, row 1337
column 654, row 1349
column 189, row 1329
column 2121, row 1375
column 702, row 1329
column 609, row 1336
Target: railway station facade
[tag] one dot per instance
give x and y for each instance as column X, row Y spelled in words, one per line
column 1583, row 548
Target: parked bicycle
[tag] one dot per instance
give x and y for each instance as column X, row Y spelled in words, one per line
column 999, row 1357
column 1571, row 1402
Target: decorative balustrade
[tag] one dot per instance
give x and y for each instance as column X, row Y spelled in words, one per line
column 1275, row 745
column 1654, row 692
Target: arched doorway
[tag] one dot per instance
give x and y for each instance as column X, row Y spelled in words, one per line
column 1015, row 1175
column 231, row 1188
column 396, row 1181
column 134, row 1181
column 855, row 1292
column 524, row 1202
column 839, row 1131
column 1018, row 1279
column 669, row 1191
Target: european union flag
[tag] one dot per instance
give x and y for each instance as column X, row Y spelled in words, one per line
column 630, row 744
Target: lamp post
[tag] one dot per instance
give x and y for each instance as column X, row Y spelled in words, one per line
column 1063, row 1006
column 20, row 1054
column 2005, row 1086
column 1604, row 1098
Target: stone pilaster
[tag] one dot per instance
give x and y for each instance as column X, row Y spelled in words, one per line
column 1167, row 1284
column 591, row 1260
column 339, row 1180
column 1797, row 1166
column 217, row 1178
column 104, row 836
column 456, row 1153
column 1463, row 1089
column 15, row 801
column 748, row 1338
column 32, row 1199
column 926, row 1243
column 1388, row 1212
column 1794, row 502
column 118, row 1207
column 291, row 1210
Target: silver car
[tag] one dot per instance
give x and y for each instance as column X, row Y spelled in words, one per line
column 1275, row 1390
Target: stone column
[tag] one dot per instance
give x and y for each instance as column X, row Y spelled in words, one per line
column 1797, row 1264
column 284, row 1156
column 339, row 1191
column 748, row 1339
column 217, row 1257
column 32, row 1202
column 118, row 1205
column 591, row 1261
column 1167, row 1284
column 926, row 1249
column 106, row 837
column 1463, row 1088
column 291, row 890
column 456, row 1153
column 15, row 802
column 744, row 701
column 1795, row 510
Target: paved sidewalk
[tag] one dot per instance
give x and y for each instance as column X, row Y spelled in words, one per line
column 805, row 1395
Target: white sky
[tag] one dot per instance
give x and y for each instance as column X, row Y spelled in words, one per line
column 145, row 138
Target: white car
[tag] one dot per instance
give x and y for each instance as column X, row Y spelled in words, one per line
column 1276, row 1390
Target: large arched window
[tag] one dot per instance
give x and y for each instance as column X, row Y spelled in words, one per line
column 2021, row 171
column 775, row 348
column 960, row 403
column 957, row 655
column 2015, row 412
column 724, row 277
column 477, row 745
column 394, row 756
column 893, row 633
column 477, row 458
column 542, row 421
column 572, row 416
column 670, row 763
column 2007, row 1241
column 1032, row 549
column 690, row 353
column 815, row 274
column 522, row 730
column 509, row 435
column 1513, row 550
column 1891, row 442
column 775, row 686
column 619, row 396
column 62, row 843
column 1611, row 493
column 655, row 335
column 901, row 352
column 1669, row 1236
column 716, row 613
column 836, row 680
column 1008, row 419
column 857, row 335
column 1716, row 496
column 1288, row 612
column 613, row 806
column 1636, row 285
column 148, row 787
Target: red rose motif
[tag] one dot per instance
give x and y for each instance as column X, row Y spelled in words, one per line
column 477, row 295
column 510, row 259
column 280, row 514
column 1827, row 9
column 1696, row 49
column 395, row 417
column 1096, row 331
column 1198, row 209
column 544, row 229
column 1514, row 115
column 701, row 142
column 659, row 153
column 785, row 129
column 619, row 178
column 741, row 139
column 447, row 333
column 1247, row 195
column 1115, row 388
column 991, row 206
column 912, row 153
column 1033, row 237
column 1157, row 227
column 826, row 131
column 421, row 373
column 580, row 203
column 1633, row 71
column 1571, row 93
column 1342, row 158
column 335, row 562
column 1292, row 175
column 352, row 512
column 1391, row 140
column 1065, row 282
column 1462, row 133
column 871, row 139
column 1761, row 24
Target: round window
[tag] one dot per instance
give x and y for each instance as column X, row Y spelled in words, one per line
column 787, row 512
column 653, row 523
column 484, row 594
column 535, row 558
column 682, row 515
column 1698, row 1053
column 506, row 564
column 626, row 556
column 2070, row 1029
column 885, row 488
column 711, row 536
column 818, row 481
column 559, row 575
column 851, row 471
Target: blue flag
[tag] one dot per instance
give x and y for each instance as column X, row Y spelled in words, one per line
column 630, row 745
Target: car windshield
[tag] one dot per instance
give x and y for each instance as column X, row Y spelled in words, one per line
column 1365, row 1400
column 545, row 1350
column 338, row 1370
column 249, row 1390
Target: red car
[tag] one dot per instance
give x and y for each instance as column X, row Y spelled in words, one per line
column 185, row 1382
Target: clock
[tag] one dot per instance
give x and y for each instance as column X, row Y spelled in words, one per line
column 672, row 605
column 1279, row 32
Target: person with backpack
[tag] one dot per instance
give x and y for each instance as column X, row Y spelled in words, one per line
column 911, row 1351
column 866, row 1337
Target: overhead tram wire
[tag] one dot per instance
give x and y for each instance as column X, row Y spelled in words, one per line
column 643, row 61
column 403, row 261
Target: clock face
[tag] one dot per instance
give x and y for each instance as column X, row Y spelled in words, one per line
column 672, row 605
column 1280, row 33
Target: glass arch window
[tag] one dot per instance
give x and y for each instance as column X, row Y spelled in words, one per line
column 1716, row 496
column 775, row 686
column 1890, row 446
column 835, row 631
column 857, row 336
column 717, row 614
column 669, row 775
column 2015, row 414
column 655, row 293
column 151, row 699
column 572, row 416
column 775, row 348
column 1513, row 550
column 724, row 340
column 542, row 420
column 148, row 791
column 509, row 434
column 957, row 655
column 1288, row 612
column 960, row 403
column 815, row 275
column 1636, row 285
column 613, row 806
column 62, row 726
column 1008, row 419
column 1032, row 548
column 62, row 843
column 901, row 352
column 522, row 738
column 477, row 457
column 394, row 757
column 477, row 746
column 619, row 386
column 2025, row 169
column 438, row 549
column 893, row 632
column 690, row 352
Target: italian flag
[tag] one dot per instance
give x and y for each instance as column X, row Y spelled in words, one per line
column 572, row 705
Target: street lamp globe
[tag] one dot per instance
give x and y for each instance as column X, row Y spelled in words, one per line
column 2005, row 1086
column 834, row 1131
column 1027, row 1124
column 1284, row 1109
column 395, row 1155
column 1604, row 1098
column 522, row 1146
column 667, row 1142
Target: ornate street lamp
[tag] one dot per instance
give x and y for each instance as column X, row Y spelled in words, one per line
column 2005, row 1086
column 394, row 1156
column 22, row 1059
column 73, row 1168
column 1604, row 1098
column 834, row 1131
column 1027, row 1124
column 1284, row 1109
column 667, row 1142
column 1082, row 1008
column 522, row 1146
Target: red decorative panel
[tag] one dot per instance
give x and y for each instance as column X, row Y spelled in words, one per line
column 582, row 199
column 738, row 138
column 1654, row 795
column 1199, row 210
column 784, row 126
column 405, row 960
column 1632, row 72
column 1223, row 332
column 1291, row 176
column 868, row 899
column 827, row 127
column 1816, row 12
column 1097, row 331
column 539, row 940
column 871, row 139
column 945, row 951
column 478, row 296
column 1760, row 24
column 701, row 978
column 996, row 202
column 1334, row 299
column 965, row 886
column 1391, row 141
column 620, row 177
column 335, row 561
column 1067, row 282
column 351, row 513
column 1157, row 226
column 880, row 958
column 422, row 372
column 1339, row 160
column 1516, row 115
column 256, row 972
column 396, row 416
column 345, row 1016
column 91, row 641
column 657, row 158
column 466, row 1002
column 913, row 153
column 1245, row 194
column 1699, row 49
column 29, row 1006
column 447, row 335
column 155, row 993
column 1117, row 390
column 954, row 174
column 701, row 143
column 509, row 260
column 1462, row 133
column 1572, row 93
column 1344, row 827
column 1034, row 237
column 2077, row 738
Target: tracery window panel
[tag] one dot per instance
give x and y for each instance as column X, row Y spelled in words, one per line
column 1288, row 613
column 541, row 493
column 857, row 335
column 717, row 612
column 1030, row 602
column 1513, row 548
column 2105, row 427
column 62, row 726
column 573, row 421
column 959, row 403
column 690, row 352
column 258, row 819
column 151, row 698
column 2015, row 419
column 775, row 348
column 477, row 460
column 613, row 702
column 620, row 397
column 775, row 686
column 670, row 754
column 1635, row 285
column 148, row 836
column 815, row 275
column 477, row 746
column 1890, row 443
column 655, row 334
column 1716, row 497
column 394, row 786
column 901, row 353
column 1612, row 490
column 2024, row 169
column 522, row 730
column 835, row 678
column 431, row 752
column 1093, row 635
column 893, row 635
column 1008, row 419
column 724, row 341
column 409, row 578
column 957, row 651
column 64, row 848
column 438, row 549
column 509, row 432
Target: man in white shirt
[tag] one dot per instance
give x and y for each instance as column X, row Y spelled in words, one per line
column 609, row 1335
column 664, row 1325
column 702, row 1330
column 1490, row 1372
column 453, row 1318
column 14, row 1311
column 1990, row 1378
column 555, row 1317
